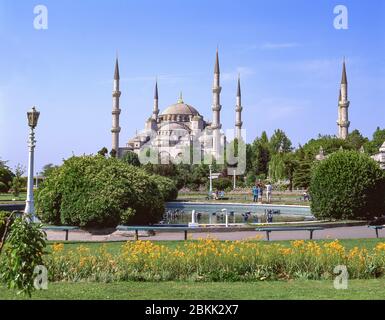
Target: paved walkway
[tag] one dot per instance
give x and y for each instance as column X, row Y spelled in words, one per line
column 332, row 233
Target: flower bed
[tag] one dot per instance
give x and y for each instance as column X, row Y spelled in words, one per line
column 211, row 260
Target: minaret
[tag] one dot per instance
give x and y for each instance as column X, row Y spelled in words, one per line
column 116, row 110
column 343, row 106
column 155, row 111
column 238, row 112
column 216, row 123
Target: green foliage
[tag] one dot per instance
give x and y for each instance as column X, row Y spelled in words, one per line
column 3, row 218
column 279, row 142
column 302, row 175
column 251, row 178
column 48, row 169
column 113, row 153
column 277, row 168
column 3, row 187
column 167, row 188
column 103, row 152
column 356, row 139
column 131, row 158
column 24, row 251
column 222, row 184
column 374, row 145
column 347, row 185
column 329, row 144
column 6, row 177
column 258, row 155
column 18, row 182
column 93, row 191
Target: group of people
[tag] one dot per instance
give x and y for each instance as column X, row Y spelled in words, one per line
column 257, row 192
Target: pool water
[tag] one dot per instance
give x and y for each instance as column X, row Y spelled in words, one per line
column 211, row 213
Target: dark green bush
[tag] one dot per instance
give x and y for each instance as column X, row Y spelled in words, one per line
column 167, row 188
column 347, row 185
column 92, row 191
column 3, row 187
column 223, row 184
column 3, row 217
column 6, row 177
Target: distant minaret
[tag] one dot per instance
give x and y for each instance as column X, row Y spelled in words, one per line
column 216, row 123
column 343, row 106
column 155, row 111
column 238, row 112
column 116, row 110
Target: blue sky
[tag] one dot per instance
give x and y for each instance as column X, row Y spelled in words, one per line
column 288, row 53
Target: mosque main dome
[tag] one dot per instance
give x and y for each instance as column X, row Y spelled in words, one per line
column 180, row 108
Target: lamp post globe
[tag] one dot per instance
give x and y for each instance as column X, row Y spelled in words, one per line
column 33, row 117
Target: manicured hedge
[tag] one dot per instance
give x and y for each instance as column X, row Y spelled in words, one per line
column 94, row 191
column 348, row 185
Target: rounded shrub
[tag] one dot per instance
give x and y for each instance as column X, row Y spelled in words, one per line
column 6, row 177
column 167, row 187
column 222, row 184
column 347, row 185
column 92, row 191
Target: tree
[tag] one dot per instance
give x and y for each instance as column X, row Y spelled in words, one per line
column 48, row 169
column 131, row 158
column 277, row 168
column 18, row 182
column 258, row 155
column 6, row 177
column 356, row 139
column 329, row 144
column 374, row 145
column 290, row 164
column 3, row 163
column 113, row 153
column 302, row 174
column 279, row 142
column 103, row 152
column 347, row 185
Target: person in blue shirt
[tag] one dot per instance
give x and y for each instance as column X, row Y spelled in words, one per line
column 255, row 192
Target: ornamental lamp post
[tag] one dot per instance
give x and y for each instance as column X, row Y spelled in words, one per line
column 211, row 182
column 33, row 117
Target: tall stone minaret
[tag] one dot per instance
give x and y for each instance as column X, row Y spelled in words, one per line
column 116, row 110
column 155, row 111
column 238, row 112
column 216, row 123
column 343, row 106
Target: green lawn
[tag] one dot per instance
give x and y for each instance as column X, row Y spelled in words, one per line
column 357, row 289
column 8, row 197
column 278, row 198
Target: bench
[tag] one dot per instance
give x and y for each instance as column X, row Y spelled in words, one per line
column 376, row 228
column 60, row 228
column 149, row 228
column 269, row 230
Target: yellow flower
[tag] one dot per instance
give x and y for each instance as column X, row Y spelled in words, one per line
column 298, row 243
column 380, row 247
column 57, row 247
column 286, row 251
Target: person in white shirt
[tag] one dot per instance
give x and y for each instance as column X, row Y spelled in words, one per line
column 269, row 189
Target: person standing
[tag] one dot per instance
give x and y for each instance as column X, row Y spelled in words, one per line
column 260, row 192
column 269, row 189
column 255, row 194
